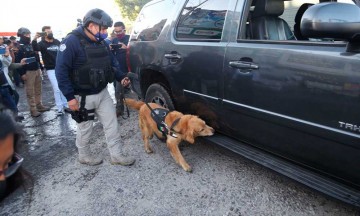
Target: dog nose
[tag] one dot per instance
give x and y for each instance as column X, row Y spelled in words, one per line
column 212, row 130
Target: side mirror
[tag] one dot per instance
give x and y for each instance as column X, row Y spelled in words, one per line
column 332, row 20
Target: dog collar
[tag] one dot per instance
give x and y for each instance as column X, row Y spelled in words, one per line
column 174, row 124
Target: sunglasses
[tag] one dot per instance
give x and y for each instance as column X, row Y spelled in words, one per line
column 119, row 32
column 13, row 166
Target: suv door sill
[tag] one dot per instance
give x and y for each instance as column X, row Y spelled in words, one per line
column 296, row 172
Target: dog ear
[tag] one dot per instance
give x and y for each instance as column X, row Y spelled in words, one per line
column 189, row 135
column 186, row 129
column 190, row 132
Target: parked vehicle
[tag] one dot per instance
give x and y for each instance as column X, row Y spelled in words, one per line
column 278, row 80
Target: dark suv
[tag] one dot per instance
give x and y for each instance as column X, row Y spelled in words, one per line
column 278, row 80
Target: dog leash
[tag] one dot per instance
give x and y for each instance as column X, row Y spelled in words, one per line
column 122, row 97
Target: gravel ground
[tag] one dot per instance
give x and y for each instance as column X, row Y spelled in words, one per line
column 222, row 183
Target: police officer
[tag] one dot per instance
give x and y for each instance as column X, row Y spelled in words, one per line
column 31, row 73
column 84, row 67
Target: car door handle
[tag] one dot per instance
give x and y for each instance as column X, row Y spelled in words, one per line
column 172, row 56
column 243, row 65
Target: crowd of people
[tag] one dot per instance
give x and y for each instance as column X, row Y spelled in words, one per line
column 79, row 69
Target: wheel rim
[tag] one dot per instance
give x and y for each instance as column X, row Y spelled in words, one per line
column 159, row 100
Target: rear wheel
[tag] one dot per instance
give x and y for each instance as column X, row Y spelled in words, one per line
column 158, row 94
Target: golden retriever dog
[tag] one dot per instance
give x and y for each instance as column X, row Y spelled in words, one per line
column 188, row 128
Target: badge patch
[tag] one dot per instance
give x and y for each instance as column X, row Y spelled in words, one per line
column 62, row 47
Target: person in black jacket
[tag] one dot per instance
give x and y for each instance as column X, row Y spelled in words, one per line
column 48, row 46
column 31, row 73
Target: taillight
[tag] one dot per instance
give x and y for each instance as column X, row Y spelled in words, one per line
column 128, row 57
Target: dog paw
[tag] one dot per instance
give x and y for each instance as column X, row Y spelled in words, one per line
column 187, row 169
column 149, row 151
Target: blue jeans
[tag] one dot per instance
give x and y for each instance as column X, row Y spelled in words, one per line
column 60, row 100
column 7, row 97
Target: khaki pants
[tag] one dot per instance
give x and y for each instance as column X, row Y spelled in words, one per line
column 105, row 111
column 33, row 88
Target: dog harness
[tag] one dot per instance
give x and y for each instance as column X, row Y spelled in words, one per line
column 159, row 115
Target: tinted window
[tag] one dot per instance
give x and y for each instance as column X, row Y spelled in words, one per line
column 280, row 22
column 202, row 19
column 151, row 20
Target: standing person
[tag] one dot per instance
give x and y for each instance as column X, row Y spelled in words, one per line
column 14, row 73
column 31, row 74
column 120, row 53
column 8, row 92
column 48, row 46
column 84, row 67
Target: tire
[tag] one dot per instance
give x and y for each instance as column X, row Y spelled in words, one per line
column 158, row 94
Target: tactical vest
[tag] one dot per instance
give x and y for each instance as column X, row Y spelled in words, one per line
column 28, row 51
column 96, row 72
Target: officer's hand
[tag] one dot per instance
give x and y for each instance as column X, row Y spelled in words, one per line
column 73, row 105
column 23, row 77
column 125, row 82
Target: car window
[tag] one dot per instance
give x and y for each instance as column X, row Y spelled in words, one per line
column 151, row 20
column 279, row 22
column 202, row 20
column 292, row 7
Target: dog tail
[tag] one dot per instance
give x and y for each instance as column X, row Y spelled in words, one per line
column 134, row 103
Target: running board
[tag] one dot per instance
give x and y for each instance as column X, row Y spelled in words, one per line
column 296, row 172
